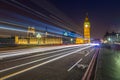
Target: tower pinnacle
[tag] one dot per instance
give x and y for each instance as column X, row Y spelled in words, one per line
column 86, row 19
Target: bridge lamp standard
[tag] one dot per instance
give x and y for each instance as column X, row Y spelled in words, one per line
column 38, row 36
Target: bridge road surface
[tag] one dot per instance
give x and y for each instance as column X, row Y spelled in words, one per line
column 58, row 64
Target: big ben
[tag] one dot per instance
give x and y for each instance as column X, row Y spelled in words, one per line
column 86, row 30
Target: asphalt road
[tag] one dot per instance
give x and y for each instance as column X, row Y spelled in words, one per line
column 58, row 64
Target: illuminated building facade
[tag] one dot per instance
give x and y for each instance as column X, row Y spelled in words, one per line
column 31, row 32
column 111, row 37
column 86, row 30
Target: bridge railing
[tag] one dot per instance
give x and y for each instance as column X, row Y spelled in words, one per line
column 90, row 72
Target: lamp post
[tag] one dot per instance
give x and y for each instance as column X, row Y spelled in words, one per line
column 117, row 37
column 38, row 37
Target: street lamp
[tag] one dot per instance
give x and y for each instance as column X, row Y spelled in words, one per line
column 38, row 36
column 71, row 40
column 117, row 35
column 109, row 39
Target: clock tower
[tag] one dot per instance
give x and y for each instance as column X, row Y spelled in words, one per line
column 86, row 30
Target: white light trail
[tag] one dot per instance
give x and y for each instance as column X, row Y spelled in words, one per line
column 46, row 62
column 14, row 53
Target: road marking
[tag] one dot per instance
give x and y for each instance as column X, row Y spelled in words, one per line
column 78, row 61
column 74, row 65
column 30, row 68
column 89, row 52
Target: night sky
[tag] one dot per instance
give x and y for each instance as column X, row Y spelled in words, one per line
column 104, row 15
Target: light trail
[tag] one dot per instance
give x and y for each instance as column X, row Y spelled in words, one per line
column 38, row 65
column 30, row 51
column 13, row 29
column 39, row 55
column 21, row 65
column 37, row 13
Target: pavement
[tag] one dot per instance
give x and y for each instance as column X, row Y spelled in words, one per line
column 55, row 64
column 108, row 67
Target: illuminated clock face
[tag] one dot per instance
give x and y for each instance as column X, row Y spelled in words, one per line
column 86, row 25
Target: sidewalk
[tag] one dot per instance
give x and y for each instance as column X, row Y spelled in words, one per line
column 108, row 65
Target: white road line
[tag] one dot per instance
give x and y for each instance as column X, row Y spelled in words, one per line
column 74, row 65
column 78, row 61
column 30, row 68
column 89, row 52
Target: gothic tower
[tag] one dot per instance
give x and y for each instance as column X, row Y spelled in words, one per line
column 86, row 30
